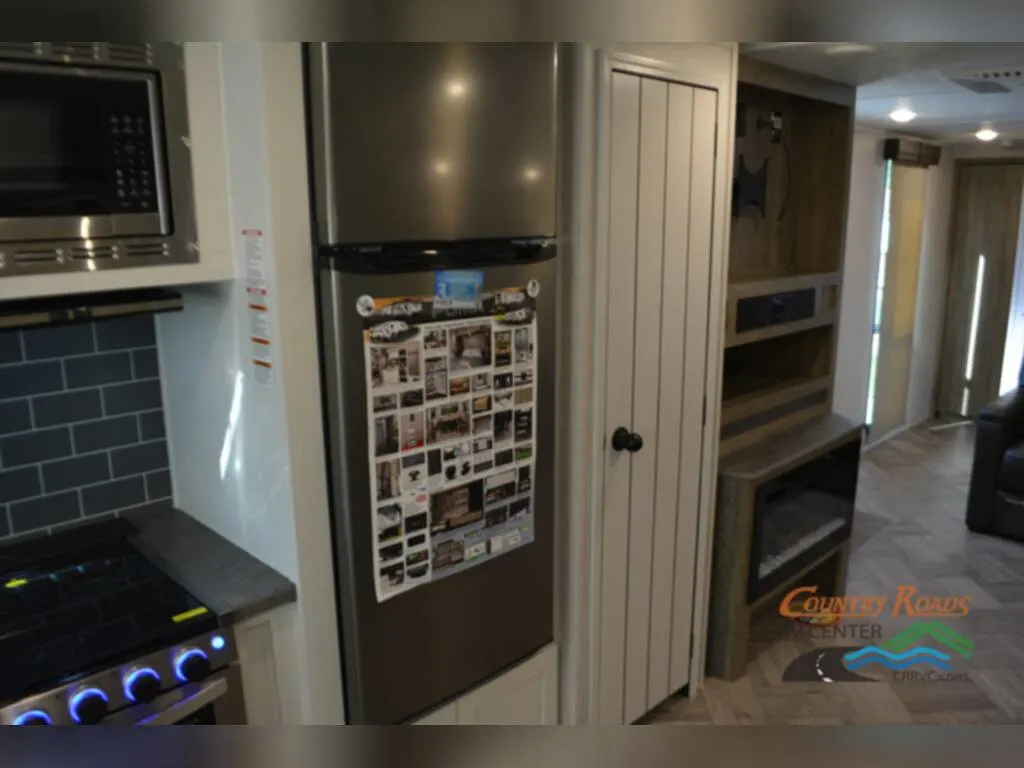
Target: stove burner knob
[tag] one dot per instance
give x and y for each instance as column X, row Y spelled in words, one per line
column 142, row 685
column 88, row 706
column 33, row 717
column 191, row 665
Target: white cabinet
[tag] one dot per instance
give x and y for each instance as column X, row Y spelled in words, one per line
column 207, row 138
column 267, row 656
column 527, row 694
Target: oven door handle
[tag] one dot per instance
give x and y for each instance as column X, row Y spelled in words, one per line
column 189, row 705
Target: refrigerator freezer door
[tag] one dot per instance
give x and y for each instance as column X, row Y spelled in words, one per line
column 433, row 141
column 407, row 650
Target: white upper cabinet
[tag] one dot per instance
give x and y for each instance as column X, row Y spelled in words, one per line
column 210, row 190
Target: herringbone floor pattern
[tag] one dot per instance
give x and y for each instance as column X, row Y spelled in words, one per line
column 908, row 529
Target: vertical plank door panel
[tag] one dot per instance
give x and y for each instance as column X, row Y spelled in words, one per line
column 646, row 365
column 702, row 185
column 624, row 142
column 674, row 302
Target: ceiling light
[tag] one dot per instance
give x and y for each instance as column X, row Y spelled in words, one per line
column 902, row 115
column 441, row 167
column 986, row 133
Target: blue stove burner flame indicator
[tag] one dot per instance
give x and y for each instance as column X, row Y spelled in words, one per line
column 134, row 675
column 184, row 656
column 33, row 717
column 83, row 696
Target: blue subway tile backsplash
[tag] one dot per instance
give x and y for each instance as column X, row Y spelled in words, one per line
column 15, row 416
column 82, row 429
column 34, row 447
column 45, row 511
column 132, row 398
column 10, row 348
column 111, row 432
column 47, row 343
column 125, row 333
column 113, row 495
column 96, row 370
column 31, row 379
column 20, row 483
column 66, row 408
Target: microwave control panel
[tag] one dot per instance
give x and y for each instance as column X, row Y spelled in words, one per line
column 134, row 171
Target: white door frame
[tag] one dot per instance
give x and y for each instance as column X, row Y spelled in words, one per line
column 723, row 83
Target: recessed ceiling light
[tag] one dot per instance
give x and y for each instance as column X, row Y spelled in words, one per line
column 986, row 134
column 902, row 115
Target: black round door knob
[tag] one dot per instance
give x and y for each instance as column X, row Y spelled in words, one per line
column 624, row 440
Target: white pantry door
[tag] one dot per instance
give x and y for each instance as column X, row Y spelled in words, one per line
column 659, row 218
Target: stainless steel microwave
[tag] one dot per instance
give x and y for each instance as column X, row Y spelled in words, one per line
column 95, row 164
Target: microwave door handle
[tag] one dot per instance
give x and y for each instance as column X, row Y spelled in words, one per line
column 189, row 705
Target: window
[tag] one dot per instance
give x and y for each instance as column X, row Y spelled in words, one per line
column 972, row 336
column 876, row 322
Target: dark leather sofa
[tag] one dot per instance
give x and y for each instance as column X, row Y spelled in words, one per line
column 995, row 501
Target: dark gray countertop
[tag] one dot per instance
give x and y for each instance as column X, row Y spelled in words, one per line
column 230, row 582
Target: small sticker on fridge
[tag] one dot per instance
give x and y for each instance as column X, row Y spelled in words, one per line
column 458, row 289
column 365, row 305
column 451, row 398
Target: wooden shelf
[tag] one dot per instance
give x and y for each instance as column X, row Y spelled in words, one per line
column 824, row 284
column 770, row 458
column 747, row 396
column 782, row 329
column 767, row 282
column 777, row 378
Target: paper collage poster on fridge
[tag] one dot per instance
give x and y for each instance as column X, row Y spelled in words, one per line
column 451, row 411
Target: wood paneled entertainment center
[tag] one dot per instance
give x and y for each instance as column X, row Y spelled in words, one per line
column 788, row 466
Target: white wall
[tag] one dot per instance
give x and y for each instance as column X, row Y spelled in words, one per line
column 863, row 231
column 980, row 150
column 248, row 459
column 932, row 283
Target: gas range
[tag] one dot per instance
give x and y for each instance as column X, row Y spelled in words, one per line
column 92, row 631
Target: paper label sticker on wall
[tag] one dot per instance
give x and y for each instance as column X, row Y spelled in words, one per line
column 451, row 384
column 258, row 307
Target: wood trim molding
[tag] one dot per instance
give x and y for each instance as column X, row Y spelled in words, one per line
column 764, row 74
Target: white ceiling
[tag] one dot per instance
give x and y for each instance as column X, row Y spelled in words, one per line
column 888, row 75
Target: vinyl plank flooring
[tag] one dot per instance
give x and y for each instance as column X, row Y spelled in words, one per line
column 908, row 528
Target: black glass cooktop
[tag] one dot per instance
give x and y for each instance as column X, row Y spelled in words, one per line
column 78, row 602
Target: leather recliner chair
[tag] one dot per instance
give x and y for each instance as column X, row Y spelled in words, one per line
column 995, row 501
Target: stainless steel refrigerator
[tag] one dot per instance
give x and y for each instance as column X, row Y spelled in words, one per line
column 434, row 169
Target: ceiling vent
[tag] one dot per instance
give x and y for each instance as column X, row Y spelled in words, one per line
column 989, row 81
